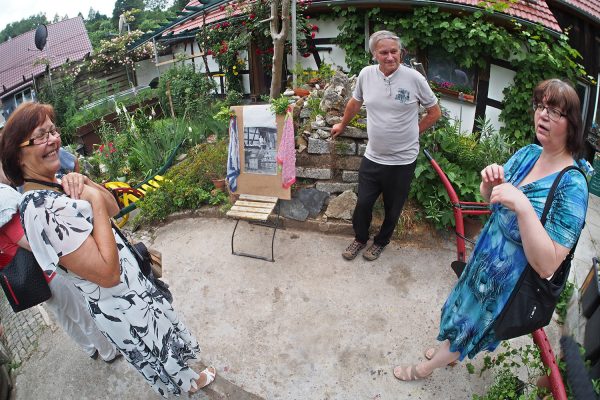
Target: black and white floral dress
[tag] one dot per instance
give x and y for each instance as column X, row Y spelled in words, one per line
column 133, row 314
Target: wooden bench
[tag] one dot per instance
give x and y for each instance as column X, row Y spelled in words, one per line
column 256, row 210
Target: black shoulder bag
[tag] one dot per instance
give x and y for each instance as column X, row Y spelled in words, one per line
column 23, row 281
column 142, row 256
column 533, row 299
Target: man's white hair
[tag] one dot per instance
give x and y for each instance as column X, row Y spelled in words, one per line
column 382, row 35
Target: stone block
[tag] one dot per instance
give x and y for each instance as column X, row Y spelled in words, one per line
column 342, row 206
column 318, row 146
column 354, row 133
column 350, row 163
column 345, row 148
column 350, row 176
column 312, row 199
column 361, row 149
column 313, row 173
column 336, row 187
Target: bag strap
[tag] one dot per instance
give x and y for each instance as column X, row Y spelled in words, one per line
column 552, row 191
column 36, row 184
column 548, row 204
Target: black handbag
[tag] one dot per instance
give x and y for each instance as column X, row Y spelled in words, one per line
column 23, row 281
column 533, row 299
column 144, row 260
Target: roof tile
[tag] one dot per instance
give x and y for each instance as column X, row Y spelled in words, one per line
column 67, row 40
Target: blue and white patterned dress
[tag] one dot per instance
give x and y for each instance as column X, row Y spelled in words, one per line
column 498, row 258
column 133, row 315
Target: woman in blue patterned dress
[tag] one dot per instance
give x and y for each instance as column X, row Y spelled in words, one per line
column 514, row 235
column 73, row 229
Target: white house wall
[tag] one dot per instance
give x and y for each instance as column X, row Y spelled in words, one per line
column 337, row 56
column 146, row 70
column 500, row 79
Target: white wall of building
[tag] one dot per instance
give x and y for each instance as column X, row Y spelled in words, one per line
column 147, row 70
column 335, row 57
column 462, row 112
column 500, row 79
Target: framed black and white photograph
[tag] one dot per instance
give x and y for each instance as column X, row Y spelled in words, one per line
column 260, row 141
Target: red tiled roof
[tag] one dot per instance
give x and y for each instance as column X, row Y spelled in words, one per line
column 215, row 15
column 67, row 40
column 589, row 7
column 535, row 11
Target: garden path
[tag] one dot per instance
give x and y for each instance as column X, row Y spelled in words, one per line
column 308, row 326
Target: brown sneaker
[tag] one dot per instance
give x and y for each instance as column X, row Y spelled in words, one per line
column 352, row 251
column 373, row 252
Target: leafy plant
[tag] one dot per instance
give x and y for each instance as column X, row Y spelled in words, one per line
column 314, row 105
column 563, row 302
column 280, row 104
column 110, row 152
column 191, row 92
column 188, row 184
column 506, row 383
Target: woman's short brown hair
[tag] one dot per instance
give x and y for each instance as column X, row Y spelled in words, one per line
column 562, row 95
column 21, row 123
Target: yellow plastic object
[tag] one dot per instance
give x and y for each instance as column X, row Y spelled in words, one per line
column 125, row 197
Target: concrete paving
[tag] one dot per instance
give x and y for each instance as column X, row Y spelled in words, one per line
column 308, row 326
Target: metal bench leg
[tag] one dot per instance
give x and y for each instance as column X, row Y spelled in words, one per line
column 272, row 259
column 237, row 221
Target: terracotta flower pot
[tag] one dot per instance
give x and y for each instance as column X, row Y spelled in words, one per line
column 301, row 92
column 219, row 184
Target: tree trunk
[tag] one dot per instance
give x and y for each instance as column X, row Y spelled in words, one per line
column 280, row 26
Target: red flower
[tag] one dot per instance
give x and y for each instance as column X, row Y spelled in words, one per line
column 306, row 55
column 312, row 35
column 315, row 28
column 244, row 23
column 308, row 17
column 222, row 8
column 252, row 16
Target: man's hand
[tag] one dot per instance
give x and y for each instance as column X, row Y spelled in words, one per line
column 337, row 130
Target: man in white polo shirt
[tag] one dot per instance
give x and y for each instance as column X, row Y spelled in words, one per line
column 392, row 94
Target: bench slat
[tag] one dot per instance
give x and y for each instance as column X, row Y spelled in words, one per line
column 248, row 215
column 252, row 209
column 254, row 204
column 264, row 199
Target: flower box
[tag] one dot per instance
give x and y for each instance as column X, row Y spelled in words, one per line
column 453, row 93
column 87, row 134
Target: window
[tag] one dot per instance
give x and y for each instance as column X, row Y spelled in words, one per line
column 447, row 76
column 23, row 96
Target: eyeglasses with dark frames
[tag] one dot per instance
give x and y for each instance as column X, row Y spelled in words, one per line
column 554, row 114
column 42, row 138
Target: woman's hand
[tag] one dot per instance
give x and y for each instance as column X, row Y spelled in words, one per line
column 510, row 197
column 73, row 184
column 491, row 176
column 90, row 194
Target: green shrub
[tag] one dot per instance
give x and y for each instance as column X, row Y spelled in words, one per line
column 461, row 156
column 191, row 92
column 188, row 184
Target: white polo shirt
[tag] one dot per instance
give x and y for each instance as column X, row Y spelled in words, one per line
column 392, row 104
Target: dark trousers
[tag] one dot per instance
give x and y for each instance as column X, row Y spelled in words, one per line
column 374, row 179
